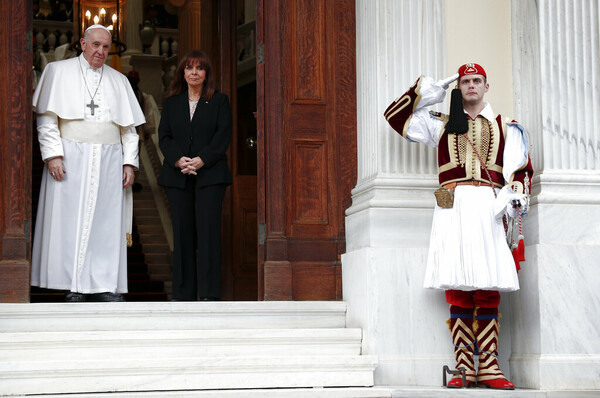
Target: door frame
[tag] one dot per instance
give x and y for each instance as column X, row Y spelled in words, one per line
column 15, row 154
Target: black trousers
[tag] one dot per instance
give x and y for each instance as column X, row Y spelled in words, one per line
column 196, row 216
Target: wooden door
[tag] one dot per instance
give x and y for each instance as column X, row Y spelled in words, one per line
column 238, row 80
column 306, row 145
column 15, row 153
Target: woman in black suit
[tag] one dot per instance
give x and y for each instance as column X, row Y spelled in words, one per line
column 194, row 133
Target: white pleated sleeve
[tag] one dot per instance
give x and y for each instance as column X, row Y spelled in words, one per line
column 49, row 136
column 423, row 127
column 129, row 141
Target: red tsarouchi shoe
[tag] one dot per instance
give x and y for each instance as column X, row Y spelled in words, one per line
column 497, row 384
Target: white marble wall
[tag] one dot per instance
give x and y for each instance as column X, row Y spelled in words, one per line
column 555, row 324
column 549, row 329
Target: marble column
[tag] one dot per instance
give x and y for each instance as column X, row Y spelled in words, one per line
column 389, row 222
column 135, row 15
column 555, row 320
column 196, row 28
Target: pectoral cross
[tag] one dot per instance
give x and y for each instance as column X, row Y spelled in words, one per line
column 92, row 106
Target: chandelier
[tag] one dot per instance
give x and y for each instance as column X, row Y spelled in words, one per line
column 108, row 13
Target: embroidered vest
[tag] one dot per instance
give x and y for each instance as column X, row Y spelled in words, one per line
column 458, row 161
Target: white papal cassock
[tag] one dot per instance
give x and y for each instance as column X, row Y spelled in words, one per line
column 80, row 234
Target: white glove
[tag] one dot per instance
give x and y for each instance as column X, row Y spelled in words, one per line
column 516, row 206
column 445, row 83
column 433, row 92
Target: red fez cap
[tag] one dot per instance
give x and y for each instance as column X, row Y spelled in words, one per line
column 471, row 69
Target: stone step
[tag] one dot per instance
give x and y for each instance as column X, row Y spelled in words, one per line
column 159, row 268
column 152, row 238
column 165, row 374
column 150, row 229
column 141, row 178
column 163, row 277
column 168, row 286
column 144, row 212
column 348, row 392
column 143, row 203
column 56, row 317
column 145, row 219
column 68, row 348
column 159, row 248
column 158, row 258
column 145, row 193
column 19, row 347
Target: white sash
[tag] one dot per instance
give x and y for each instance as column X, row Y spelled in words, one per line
column 89, row 132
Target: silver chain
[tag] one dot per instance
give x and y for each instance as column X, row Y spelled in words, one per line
column 85, row 81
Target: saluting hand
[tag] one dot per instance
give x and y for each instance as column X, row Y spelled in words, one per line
column 445, row 83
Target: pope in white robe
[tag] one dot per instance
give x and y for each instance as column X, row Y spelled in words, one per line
column 86, row 118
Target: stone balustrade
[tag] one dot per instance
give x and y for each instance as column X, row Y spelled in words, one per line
column 165, row 42
column 50, row 34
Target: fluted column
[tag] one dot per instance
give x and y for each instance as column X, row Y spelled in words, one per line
column 557, row 82
column 393, row 173
column 196, row 27
column 135, row 15
column 388, row 224
column 390, row 56
column 570, row 95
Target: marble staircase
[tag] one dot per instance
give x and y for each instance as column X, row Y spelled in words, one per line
column 156, row 251
column 94, row 348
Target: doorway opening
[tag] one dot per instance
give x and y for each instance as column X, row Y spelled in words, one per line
column 240, row 280
column 236, row 51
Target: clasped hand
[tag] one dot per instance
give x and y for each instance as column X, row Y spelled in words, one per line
column 189, row 165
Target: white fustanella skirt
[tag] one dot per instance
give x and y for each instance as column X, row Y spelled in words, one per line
column 467, row 248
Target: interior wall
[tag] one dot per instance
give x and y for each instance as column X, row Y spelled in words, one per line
column 480, row 31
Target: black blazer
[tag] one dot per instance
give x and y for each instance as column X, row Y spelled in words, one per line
column 207, row 135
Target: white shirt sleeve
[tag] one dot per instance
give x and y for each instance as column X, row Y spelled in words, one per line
column 129, row 141
column 423, row 127
column 515, row 150
column 49, row 136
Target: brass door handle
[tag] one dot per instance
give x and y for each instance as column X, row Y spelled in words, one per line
column 251, row 142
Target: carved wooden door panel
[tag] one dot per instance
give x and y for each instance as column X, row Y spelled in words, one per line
column 306, row 145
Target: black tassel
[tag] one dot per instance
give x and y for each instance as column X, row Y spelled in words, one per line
column 457, row 121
